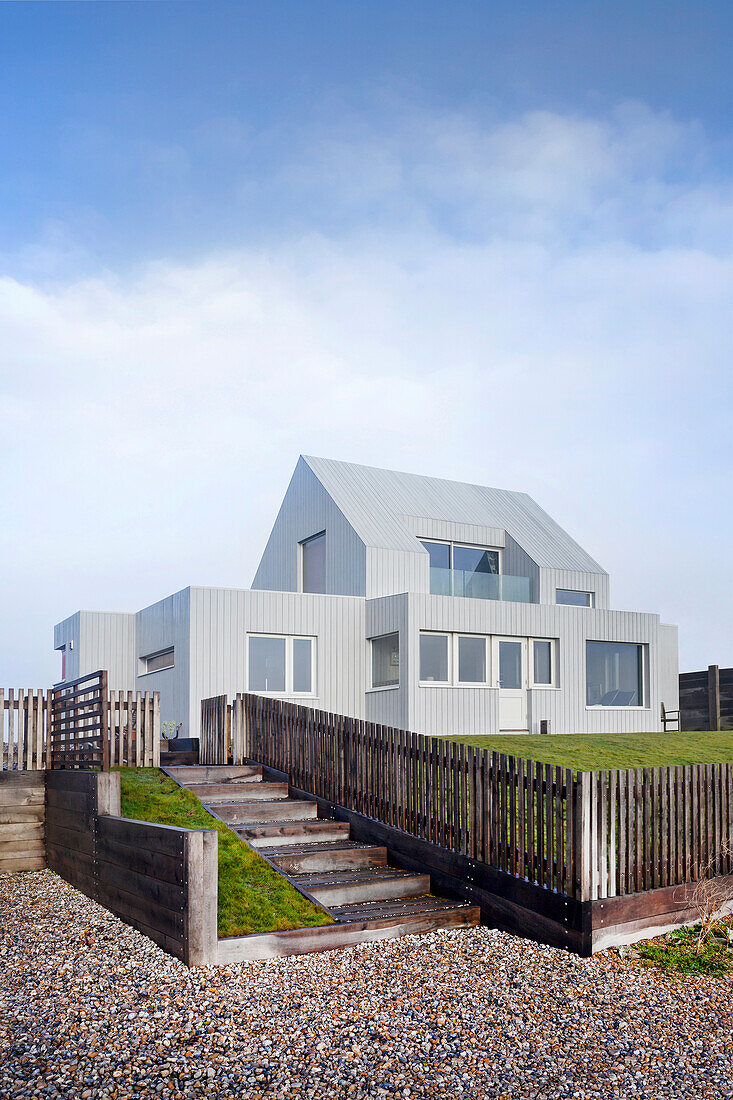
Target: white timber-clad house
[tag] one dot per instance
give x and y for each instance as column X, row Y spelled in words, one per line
column 425, row 604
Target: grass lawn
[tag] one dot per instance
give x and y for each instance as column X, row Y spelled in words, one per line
column 587, row 752
column 252, row 896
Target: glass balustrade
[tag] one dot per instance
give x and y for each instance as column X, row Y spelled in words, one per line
column 480, row 586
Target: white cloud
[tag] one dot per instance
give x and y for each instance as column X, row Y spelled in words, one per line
column 560, row 353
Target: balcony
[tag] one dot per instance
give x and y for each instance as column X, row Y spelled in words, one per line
column 480, row 586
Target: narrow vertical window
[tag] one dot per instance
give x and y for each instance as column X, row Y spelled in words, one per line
column 302, row 665
column 543, row 662
column 313, row 563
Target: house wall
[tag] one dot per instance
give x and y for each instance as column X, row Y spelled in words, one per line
column 439, row 710
column 163, row 624
column 222, row 618
column 102, row 639
column 306, row 510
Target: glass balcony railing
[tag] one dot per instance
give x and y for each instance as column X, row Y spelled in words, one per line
column 480, row 586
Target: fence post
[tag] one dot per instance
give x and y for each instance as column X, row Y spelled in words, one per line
column 583, row 794
column 201, row 870
column 713, row 697
column 104, row 720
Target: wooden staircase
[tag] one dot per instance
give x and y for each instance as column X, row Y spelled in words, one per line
column 353, row 881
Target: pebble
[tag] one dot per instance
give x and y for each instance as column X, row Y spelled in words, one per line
column 92, row 1010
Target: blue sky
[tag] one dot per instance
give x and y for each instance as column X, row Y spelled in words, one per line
column 492, row 242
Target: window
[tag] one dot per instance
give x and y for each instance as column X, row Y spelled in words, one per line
column 386, row 661
column 281, row 664
column 157, row 662
column 472, row 559
column 510, row 664
column 434, row 658
column 267, row 664
column 458, row 570
column 575, row 599
column 302, row 665
column 313, row 563
column 542, row 665
column 439, row 553
column 614, row 674
column 471, row 660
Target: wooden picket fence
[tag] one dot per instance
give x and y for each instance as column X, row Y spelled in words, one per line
column 24, row 722
column 587, row 835
column 215, row 734
column 134, row 728
column 80, row 724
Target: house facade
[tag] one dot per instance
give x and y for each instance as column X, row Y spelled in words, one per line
column 424, row 604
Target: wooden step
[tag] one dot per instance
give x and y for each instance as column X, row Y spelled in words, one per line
column 379, row 910
column 376, row 885
column 344, row 856
column 212, row 773
column 287, row 809
column 214, row 793
column 273, row 834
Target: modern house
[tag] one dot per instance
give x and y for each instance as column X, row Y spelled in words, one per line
column 424, row 604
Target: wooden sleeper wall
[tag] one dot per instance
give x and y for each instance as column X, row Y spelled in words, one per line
column 161, row 880
column 22, row 814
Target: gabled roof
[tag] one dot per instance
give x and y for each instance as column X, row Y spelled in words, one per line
column 374, row 502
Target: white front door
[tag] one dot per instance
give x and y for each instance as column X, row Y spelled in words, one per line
column 511, row 666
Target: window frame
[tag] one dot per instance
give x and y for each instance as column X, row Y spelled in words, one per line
column 580, row 592
column 453, row 637
column 289, row 665
column 145, row 657
column 531, row 682
column 370, row 658
column 643, row 676
column 450, row 663
column 452, row 543
column 301, row 563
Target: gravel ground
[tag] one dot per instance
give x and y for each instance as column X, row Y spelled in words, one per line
column 90, row 1008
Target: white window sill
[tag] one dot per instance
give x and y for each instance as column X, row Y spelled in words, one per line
column 154, row 671
column 385, row 687
column 600, row 708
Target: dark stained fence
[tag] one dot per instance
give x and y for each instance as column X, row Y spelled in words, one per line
column 706, row 699
column 589, row 836
column 80, row 723
column 215, row 732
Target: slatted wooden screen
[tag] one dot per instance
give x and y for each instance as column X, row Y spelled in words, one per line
column 24, row 721
column 215, row 733
column 79, row 723
column 134, row 728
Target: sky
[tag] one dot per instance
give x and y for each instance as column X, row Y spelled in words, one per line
column 480, row 241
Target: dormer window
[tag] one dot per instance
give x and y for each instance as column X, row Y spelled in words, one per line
column 313, row 563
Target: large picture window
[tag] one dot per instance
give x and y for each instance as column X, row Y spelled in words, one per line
column 614, row 674
column 386, row 661
column 281, row 665
column 313, row 563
